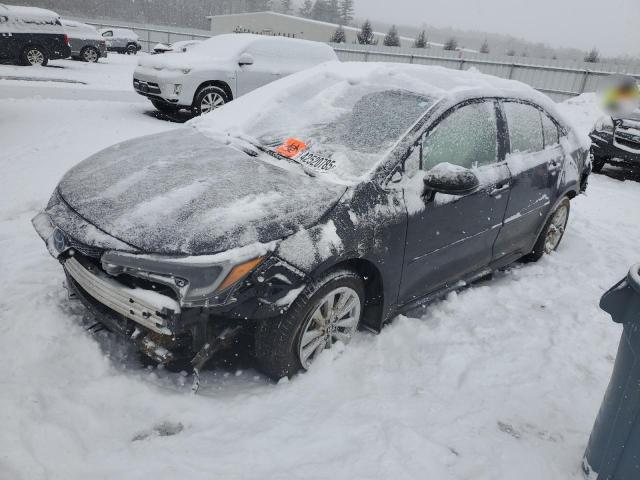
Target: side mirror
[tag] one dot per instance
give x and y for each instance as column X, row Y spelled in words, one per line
column 450, row 179
column 245, row 59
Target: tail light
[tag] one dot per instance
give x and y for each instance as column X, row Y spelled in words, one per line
column 66, row 39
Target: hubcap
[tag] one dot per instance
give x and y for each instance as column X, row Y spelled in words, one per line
column 556, row 229
column 90, row 55
column 335, row 319
column 211, row 101
column 35, row 57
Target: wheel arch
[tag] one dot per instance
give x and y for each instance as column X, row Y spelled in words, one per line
column 214, row 83
column 372, row 316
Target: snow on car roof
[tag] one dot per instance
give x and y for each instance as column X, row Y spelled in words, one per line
column 309, row 106
column 28, row 12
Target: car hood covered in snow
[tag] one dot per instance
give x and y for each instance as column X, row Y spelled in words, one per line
column 184, row 193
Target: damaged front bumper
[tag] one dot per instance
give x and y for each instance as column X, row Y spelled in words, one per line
column 171, row 307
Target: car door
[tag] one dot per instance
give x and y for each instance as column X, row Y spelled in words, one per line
column 535, row 161
column 451, row 236
column 265, row 69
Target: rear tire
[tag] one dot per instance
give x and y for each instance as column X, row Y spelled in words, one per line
column 165, row 107
column 208, row 99
column 552, row 233
column 132, row 49
column 90, row 55
column 291, row 342
column 33, row 55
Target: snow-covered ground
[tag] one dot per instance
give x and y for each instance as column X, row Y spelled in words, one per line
column 501, row 381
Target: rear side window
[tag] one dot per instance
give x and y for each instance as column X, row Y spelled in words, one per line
column 108, row 33
column 467, row 137
column 550, row 129
column 525, row 127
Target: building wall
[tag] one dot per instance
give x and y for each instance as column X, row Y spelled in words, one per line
column 287, row 25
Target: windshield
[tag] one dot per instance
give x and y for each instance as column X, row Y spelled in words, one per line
column 335, row 128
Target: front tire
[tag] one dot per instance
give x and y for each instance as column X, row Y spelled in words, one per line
column 131, row 49
column 327, row 311
column 552, row 233
column 208, row 99
column 34, row 56
column 90, row 55
column 597, row 164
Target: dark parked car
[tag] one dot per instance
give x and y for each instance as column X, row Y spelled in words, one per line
column 31, row 36
column 616, row 140
column 328, row 201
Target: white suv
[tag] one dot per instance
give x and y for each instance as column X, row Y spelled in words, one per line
column 223, row 68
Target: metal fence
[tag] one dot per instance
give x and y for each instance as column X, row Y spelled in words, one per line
column 560, row 79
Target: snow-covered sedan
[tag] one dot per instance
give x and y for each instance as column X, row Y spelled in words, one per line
column 222, row 68
column 326, row 202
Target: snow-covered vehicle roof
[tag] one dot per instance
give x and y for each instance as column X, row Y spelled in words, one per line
column 74, row 29
column 353, row 114
column 28, row 19
column 298, row 52
column 28, row 12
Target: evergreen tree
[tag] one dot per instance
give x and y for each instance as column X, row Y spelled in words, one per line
column 307, row 7
column 511, row 53
column 320, row 11
column 346, row 11
column 451, row 44
column 593, row 56
column 285, row 6
column 421, row 40
column 484, row 48
column 339, row 36
column 365, row 35
column 333, row 11
column 258, row 5
column 391, row 39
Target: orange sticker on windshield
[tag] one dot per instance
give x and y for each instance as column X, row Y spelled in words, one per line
column 291, row 148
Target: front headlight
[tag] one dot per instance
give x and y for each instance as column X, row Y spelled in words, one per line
column 198, row 280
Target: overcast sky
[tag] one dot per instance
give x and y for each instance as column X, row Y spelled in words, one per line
column 613, row 26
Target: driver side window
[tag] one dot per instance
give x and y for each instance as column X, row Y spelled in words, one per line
column 467, row 137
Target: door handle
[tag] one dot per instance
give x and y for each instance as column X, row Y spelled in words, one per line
column 498, row 189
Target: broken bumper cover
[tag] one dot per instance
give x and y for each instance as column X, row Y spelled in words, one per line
column 147, row 308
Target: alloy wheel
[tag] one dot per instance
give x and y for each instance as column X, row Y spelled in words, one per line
column 90, row 55
column 335, row 319
column 210, row 102
column 35, row 57
column 556, row 229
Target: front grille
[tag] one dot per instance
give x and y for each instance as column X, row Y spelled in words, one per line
column 146, row 87
column 86, row 250
column 629, row 138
